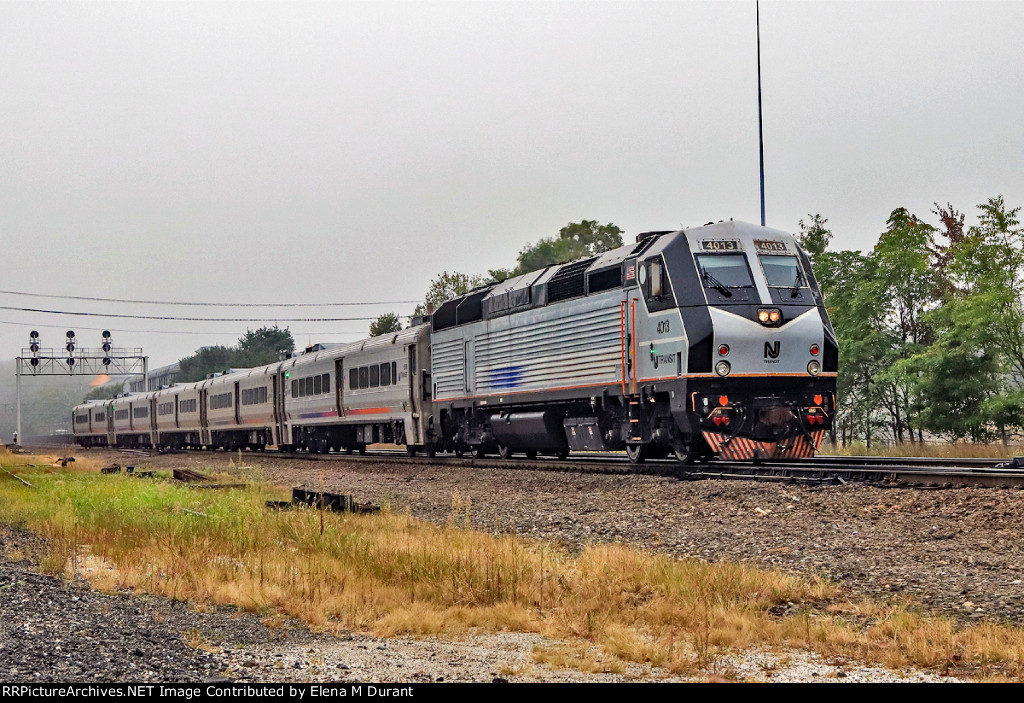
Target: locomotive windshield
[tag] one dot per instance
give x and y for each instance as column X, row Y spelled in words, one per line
column 782, row 271
column 729, row 270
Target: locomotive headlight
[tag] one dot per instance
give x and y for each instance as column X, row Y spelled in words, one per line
column 769, row 317
column 722, row 368
column 813, row 367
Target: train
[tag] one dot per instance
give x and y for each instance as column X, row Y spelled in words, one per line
column 700, row 343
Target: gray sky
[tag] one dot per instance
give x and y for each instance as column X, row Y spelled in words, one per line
column 351, row 151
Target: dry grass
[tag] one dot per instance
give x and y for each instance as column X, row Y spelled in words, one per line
column 390, row 574
column 942, row 450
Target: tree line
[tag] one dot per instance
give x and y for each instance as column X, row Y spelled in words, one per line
column 930, row 325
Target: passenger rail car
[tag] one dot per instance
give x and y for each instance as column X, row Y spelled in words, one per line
column 341, row 398
column 712, row 341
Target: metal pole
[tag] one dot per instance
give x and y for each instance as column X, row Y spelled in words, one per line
column 17, row 375
column 145, row 374
column 760, row 131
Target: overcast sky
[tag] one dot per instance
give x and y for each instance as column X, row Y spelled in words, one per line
column 310, row 153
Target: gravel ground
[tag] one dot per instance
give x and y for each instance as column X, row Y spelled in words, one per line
column 953, row 551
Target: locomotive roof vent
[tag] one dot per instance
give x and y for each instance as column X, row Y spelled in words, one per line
column 647, row 235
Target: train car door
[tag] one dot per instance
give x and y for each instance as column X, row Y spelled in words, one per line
column 177, row 422
column 413, row 433
column 203, row 425
column 630, row 307
column 238, row 396
column 280, row 419
column 110, row 423
column 339, row 386
column 152, row 422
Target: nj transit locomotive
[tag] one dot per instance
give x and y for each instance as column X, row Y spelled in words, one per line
column 712, row 341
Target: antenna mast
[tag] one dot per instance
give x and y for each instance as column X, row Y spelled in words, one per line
column 760, row 131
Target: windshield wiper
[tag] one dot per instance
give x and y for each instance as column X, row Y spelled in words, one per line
column 797, row 283
column 718, row 285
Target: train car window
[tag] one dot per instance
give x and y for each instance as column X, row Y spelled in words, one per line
column 81, row 419
column 374, row 376
column 99, row 417
column 263, row 394
column 120, row 414
column 364, row 377
column 295, row 389
column 729, row 270
column 327, row 383
column 141, row 412
column 385, row 374
column 309, row 385
column 353, row 379
column 318, row 385
column 782, row 271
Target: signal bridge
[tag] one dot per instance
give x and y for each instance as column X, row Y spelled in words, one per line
column 73, row 360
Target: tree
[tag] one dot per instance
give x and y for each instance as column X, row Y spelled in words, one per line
column 388, row 322
column 574, row 241
column 263, row 346
column 446, row 286
column 105, row 392
column 814, row 237
column 254, row 348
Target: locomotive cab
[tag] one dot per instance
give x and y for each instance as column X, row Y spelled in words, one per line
column 761, row 352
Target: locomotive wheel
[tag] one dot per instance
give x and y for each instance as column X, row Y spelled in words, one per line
column 362, row 449
column 432, row 450
column 531, row 454
column 562, row 455
column 637, row 453
column 683, row 454
column 480, row 453
column 348, row 450
column 504, row 452
column 410, row 449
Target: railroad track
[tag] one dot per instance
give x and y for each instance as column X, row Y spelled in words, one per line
column 919, row 472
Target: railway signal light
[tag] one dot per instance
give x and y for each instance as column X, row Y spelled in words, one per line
column 71, row 361
column 106, row 361
column 34, row 361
